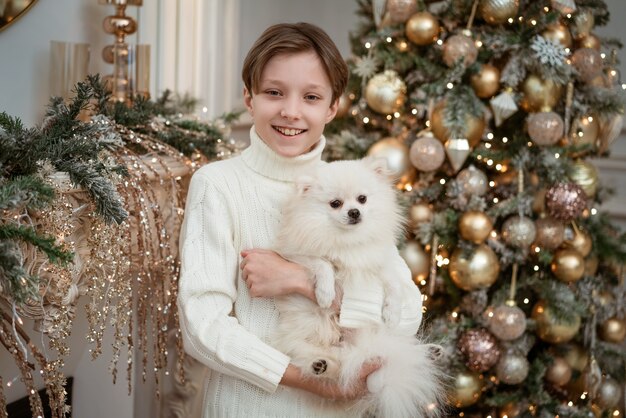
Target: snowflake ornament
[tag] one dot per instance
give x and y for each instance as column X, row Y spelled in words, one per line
column 548, row 51
column 366, row 66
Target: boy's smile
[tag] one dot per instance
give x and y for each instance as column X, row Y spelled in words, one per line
column 292, row 104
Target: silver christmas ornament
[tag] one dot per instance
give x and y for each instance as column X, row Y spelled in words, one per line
column 473, row 181
column 519, row 231
column 503, row 106
column 507, row 322
column 512, row 368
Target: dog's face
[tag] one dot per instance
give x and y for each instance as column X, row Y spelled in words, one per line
column 351, row 197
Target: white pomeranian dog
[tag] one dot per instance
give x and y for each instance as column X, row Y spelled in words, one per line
column 342, row 225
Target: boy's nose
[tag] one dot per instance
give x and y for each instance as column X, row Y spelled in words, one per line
column 291, row 110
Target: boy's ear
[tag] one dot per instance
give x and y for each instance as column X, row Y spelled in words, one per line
column 247, row 99
column 304, row 184
column 332, row 110
column 378, row 165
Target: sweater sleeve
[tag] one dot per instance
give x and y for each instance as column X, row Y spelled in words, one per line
column 207, row 292
column 362, row 303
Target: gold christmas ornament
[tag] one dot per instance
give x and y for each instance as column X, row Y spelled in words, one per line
column 512, row 368
column 613, row 330
column 400, row 10
column 477, row 270
column 576, row 356
column 486, row 82
column 550, row 329
column 589, row 41
column 519, row 231
column 473, row 181
column 420, row 213
column 558, row 32
column 540, row 95
column 457, row 150
column 422, row 28
column 510, row 410
column 585, row 174
column 568, row 265
column 609, row 393
column 475, row 226
column 344, row 105
column 588, row 63
column 466, row 389
column 583, row 23
column 545, row 128
column 459, row 47
column 507, row 322
column 578, row 240
column 385, row 93
column 585, row 131
column 550, row 233
column 417, row 260
column 503, row 106
column 495, row 12
column 559, row 372
column 427, row 153
column 474, row 126
column 396, row 153
column 609, row 129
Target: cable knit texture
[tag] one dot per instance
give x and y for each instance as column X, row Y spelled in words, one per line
column 234, row 205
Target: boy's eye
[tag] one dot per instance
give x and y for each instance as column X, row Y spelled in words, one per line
column 273, row 92
column 336, row 203
column 311, row 97
column 361, row 199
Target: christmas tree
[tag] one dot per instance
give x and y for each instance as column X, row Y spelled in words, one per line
column 488, row 112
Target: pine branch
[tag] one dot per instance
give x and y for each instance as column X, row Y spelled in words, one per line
column 55, row 253
column 28, row 191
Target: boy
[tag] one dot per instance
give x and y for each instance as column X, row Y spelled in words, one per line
column 293, row 76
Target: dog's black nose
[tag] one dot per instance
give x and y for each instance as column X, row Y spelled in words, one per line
column 354, row 213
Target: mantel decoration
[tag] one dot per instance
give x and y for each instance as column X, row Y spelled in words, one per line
column 94, row 209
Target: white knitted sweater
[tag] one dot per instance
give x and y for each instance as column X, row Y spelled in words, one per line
column 234, row 205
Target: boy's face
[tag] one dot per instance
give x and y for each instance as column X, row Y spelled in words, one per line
column 292, row 104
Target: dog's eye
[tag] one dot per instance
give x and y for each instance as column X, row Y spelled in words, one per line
column 336, row 204
column 361, row 199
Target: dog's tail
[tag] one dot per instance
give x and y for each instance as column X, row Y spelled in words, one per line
column 409, row 384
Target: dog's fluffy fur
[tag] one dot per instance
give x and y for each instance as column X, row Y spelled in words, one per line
column 342, row 224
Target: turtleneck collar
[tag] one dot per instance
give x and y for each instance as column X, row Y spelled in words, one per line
column 262, row 159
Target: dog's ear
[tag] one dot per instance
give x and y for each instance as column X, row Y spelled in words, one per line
column 304, row 183
column 378, row 165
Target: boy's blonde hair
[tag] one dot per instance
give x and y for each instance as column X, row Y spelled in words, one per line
column 291, row 38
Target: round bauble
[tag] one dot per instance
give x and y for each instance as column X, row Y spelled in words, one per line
column 613, row 330
column 486, row 82
column 550, row 233
column 473, row 181
column 427, row 153
column 396, row 153
column 417, row 260
column 419, row 213
column 585, row 130
column 459, row 47
column 558, row 32
column 344, row 106
column 576, row 356
column 568, row 265
column 422, row 28
column 498, row 11
column 473, row 131
column 609, row 393
column 475, row 226
column 507, row 322
column 583, row 23
column 519, row 231
column 589, row 41
column 512, row 368
column 585, row 174
column 400, row 10
column 477, row 270
column 466, row 389
column 545, row 128
column 559, row 372
column 479, row 348
column 385, row 92
column 578, row 240
column 588, row 63
column 565, row 201
column 591, row 265
column 539, row 94
column 510, row 410
column 550, row 329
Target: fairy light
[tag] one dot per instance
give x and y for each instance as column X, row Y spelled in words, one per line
column 546, row 9
column 616, row 413
column 569, row 15
column 498, row 167
column 594, row 211
column 505, row 139
column 537, row 249
column 557, row 155
column 439, row 42
column 526, row 301
column 366, row 119
column 510, row 20
column 414, row 111
column 487, row 145
column 536, row 267
column 570, row 403
column 368, row 45
column 389, row 39
column 479, row 43
column 389, row 117
column 396, row 115
column 602, row 55
column 489, row 162
column 450, row 86
column 529, row 143
column 496, row 200
column 423, row 282
column 442, row 181
column 490, row 135
column 492, row 183
column 533, row 22
column 408, row 187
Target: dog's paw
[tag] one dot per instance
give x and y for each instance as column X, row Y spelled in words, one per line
column 324, row 295
column 391, row 314
column 319, row 367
